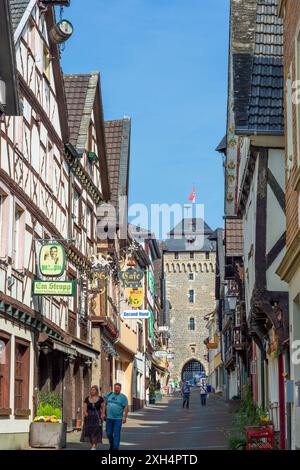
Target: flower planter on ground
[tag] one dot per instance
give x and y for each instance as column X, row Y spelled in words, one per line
column 48, row 435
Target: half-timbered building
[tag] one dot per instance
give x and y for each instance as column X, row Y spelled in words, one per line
column 52, row 178
column 34, row 206
column 255, row 186
column 89, row 186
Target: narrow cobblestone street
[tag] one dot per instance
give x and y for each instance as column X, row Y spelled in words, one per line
column 167, row 426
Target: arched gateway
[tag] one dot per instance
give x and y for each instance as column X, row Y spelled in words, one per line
column 192, row 369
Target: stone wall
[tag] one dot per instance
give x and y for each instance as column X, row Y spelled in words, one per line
column 178, row 285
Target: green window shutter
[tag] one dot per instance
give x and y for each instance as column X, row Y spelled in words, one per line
column 151, row 324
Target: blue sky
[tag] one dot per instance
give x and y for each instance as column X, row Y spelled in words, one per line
column 164, row 64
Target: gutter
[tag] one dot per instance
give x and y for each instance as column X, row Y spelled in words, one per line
column 246, row 131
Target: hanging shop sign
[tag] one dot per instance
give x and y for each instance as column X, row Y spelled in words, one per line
column 212, row 345
column 170, row 355
column 131, row 278
column 136, row 297
column 161, row 354
column 54, row 288
column 52, row 260
column 136, row 314
column 101, row 265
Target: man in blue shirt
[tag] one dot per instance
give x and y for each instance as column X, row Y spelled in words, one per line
column 115, row 413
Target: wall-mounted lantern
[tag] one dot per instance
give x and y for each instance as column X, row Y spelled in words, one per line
column 232, row 301
column 61, row 31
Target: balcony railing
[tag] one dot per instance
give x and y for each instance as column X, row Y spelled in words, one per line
column 237, row 338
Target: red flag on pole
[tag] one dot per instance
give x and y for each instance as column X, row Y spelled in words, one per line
column 192, row 197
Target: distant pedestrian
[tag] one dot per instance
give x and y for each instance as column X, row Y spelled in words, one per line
column 115, row 413
column 186, row 391
column 203, row 392
column 158, row 386
column 92, row 424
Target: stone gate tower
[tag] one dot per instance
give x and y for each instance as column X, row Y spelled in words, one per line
column 189, row 258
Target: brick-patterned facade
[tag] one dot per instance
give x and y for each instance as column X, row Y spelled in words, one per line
column 289, row 269
column 291, row 24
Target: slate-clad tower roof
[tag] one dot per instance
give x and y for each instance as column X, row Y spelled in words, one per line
column 190, row 235
column 257, row 66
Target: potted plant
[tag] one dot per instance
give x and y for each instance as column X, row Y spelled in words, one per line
column 47, row 429
column 152, row 392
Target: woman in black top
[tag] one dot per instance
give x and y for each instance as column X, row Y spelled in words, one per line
column 92, row 411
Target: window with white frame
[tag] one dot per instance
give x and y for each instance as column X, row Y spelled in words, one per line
column 18, row 237
column 3, row 226
column 50, row 165
column 76, row 207
column 89, row 222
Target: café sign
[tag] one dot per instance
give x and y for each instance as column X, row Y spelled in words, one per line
column 54, row 288
column 131, row 278
column 52, row 260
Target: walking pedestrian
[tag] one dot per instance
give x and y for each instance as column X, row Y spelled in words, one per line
column 115, row 411
column 203, row 392
column 92, row 424
column 186, row 391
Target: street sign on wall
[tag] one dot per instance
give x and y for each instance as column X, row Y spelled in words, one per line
column 52, row 260
column 54, row 288
column 135, row 314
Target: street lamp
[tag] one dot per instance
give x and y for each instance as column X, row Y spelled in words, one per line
column 232, row 301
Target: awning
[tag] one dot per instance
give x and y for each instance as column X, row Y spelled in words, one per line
column 86, row 352
column 63, row 348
